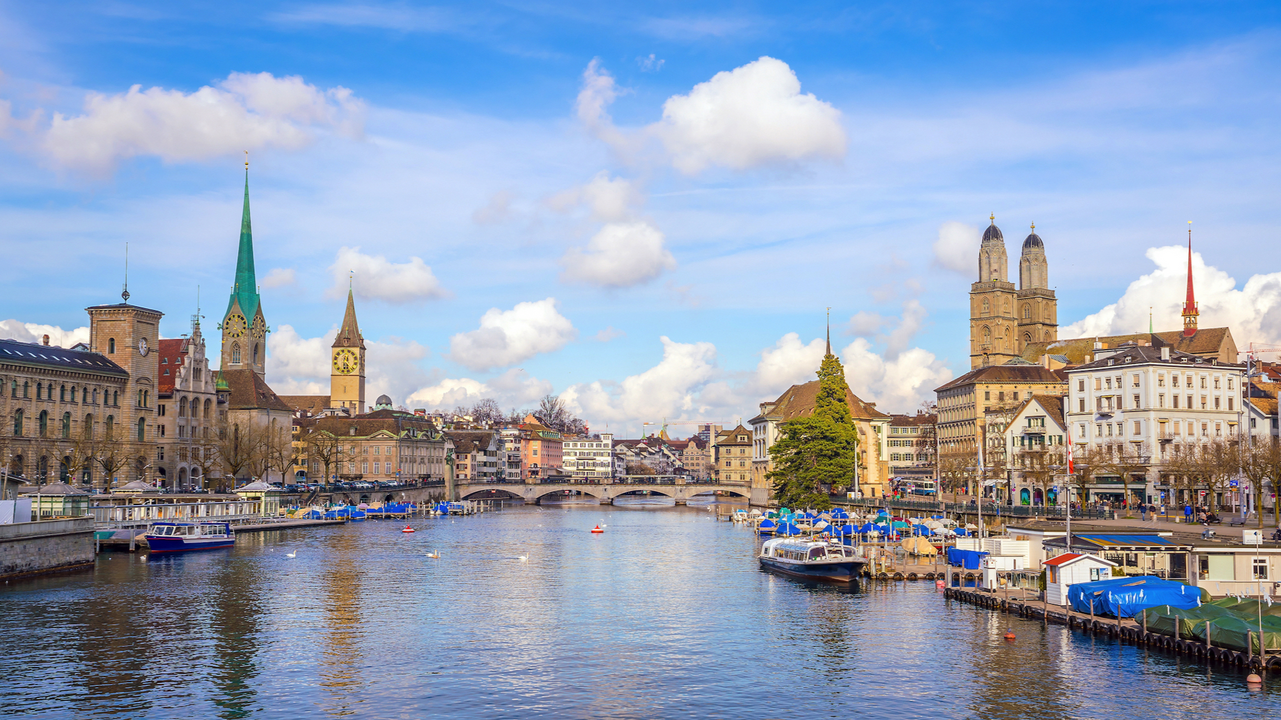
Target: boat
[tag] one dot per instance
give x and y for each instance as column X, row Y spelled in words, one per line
column 168, row 537
column 812, row 559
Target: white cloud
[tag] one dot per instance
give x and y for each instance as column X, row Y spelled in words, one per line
column 789, row 362
column 279, row 277
column 669, row 389
column 300, row 366
column 497, row 210
column 243, row 112
column 507, row 337
column 865, row 323
column 619, row 255
column 1253, row 312
column 594, row 98
column 609, row 199
column 957, row 248
column 895, row 385
column 35, row 332
column 609, row 333
column 652, row 63
column 750, row 116
column 378, row 278
column 513, row 389
column 448, row 394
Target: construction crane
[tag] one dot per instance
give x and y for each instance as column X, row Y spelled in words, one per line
column 665, row 424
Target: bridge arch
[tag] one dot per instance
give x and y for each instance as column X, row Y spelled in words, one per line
column 593, row 491
column 714, row 491
column 492, row 494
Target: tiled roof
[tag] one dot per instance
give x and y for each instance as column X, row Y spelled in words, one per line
column 728, row 437
column 123, row 306
column 1053, row 405
column 1148, row 354
column 171, row 353
column 1006, row 373
column 370, row 424
column 250, row 392
column 49, row 356
column 798, row 401
column 1267, row 406
column 909, row 420
column 1207, row 342
column 313, row 404
column 469, row 441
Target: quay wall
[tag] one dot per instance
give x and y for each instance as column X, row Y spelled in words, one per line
column 1123, row 630
column 46, row 546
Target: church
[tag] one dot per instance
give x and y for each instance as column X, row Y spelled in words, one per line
column 1005, row 320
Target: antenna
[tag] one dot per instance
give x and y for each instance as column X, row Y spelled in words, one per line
column 195, row 319
column 125, row 292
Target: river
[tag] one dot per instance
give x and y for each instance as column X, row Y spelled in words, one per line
column 665, row 615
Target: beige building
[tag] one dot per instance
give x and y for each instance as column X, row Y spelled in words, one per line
column 732, row 455
column 910, row 446
column 1003, row 320
column 381, row 446
column 188, row 410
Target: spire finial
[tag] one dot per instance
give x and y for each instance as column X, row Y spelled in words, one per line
column 1033, row 227
column 124, row 294
column 992, row 217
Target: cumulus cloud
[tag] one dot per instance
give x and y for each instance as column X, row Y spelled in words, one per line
column 35, row 332
column 246, row 111
column 298, row 365
column 895, row 384
column 652, row 63
column 512, row 389
column 744, row 118
column 669, row 389
column 1253, row 311
column 957, row 248
column 619, row 255
column 380, row 279
column 865, row 323
column 279, row 277
column 506, row 337
column 608, row 199
column 788, row 362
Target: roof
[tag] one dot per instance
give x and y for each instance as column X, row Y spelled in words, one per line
column 1114, row 541
column 727, row 436
column 312, row 404
column 251, row 392
column 124, row 306
column 57, row 488
column 1206, row 342
column 170, row 352
column 371, row 423
column 1149, row 354
column 1267, row 406
column 1069, row 558
column 245, row 289
column 349, row 334
column 468, row 441
column 993, row 233
column 51, row 356
column 1033, row 241
column 1053, row 405
column 798, row 401
column 917, row 419
column 1008, row 373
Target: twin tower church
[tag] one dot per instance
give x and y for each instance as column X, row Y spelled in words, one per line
column 1004, row 321
column 244, row 344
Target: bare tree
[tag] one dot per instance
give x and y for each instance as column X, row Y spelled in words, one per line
column 1128, row 460
column 327, row 449
column 1261, row 464
column 237, row 448
column 1038, row 465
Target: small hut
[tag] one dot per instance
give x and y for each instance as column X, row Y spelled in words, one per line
column 1069, row 569
column 58, row 500
column 267, row 495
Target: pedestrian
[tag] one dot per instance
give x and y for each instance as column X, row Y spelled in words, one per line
column 1143, row 512
column 1187, row 513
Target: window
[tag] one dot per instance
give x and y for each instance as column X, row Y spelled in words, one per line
column 62, row 393
column 44, row 423
column 1205, row 430
column 17, row 423
column 66, row 425
column 1160, row 400
column 1080, row 386
column 1107, row 383
column 1216, row 382
column 1229, row 383
column 1098, row 383
column 1229, row 404
column 111, row 345
column 1136, row 379
column 377, row 449
column 235, row 354
column 1136, row 402
column 987, row 395
column 182, row 407
column 142, row 429
column 1082, row 405
column 1203, row 405
column 111, row 426
column 1174, row 380
column 1016, row 395
column 1216, row 402
column 1260, row 568
column 1176, row 402
column 1138, row 428
column 1160, row 381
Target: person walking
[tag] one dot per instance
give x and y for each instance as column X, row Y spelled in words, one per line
column 1187, row 513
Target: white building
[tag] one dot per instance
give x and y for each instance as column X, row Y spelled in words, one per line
column 1035, row 442
column 1144, row 399
column 589, row 458
column 1069, row 569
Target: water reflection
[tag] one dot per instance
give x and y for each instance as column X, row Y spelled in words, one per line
column 341, row 650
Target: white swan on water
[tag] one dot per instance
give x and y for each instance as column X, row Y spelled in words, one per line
column 434, row 554
column 292, row 554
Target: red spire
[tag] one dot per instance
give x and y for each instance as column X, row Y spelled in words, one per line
column 1189, row 305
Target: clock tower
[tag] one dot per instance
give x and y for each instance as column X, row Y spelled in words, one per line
column 347, row 366
column 244, row 330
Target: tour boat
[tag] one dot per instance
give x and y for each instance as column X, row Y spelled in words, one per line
column 812, row 559
column 167, row 537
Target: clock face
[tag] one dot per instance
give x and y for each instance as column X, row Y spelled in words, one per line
column 260, row 327
column 345, row 362
column 142, row 347
column 236, row 325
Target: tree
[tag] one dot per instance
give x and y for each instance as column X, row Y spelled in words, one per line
column 1127, row 460
column 1219, row 463
column 818, row 453
column 237, row 448
column 1038, row 465
column 1261, row 464
column 952, row 471
column 325, row 448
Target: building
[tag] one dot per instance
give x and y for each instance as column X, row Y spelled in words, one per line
column 798, row 401
column 1035, row 443
column 732, row 456
column 647, row 456
column 696, row 455
column 1069, row 569
column 476, row 455
column 347, row 362
column 510, row 454
column 381, row 446
column 1135, row 409
column 1003, row 320
column 910, row 445
column 541, row 450
column 66, row 414
column 589, row 458
column 188, row 409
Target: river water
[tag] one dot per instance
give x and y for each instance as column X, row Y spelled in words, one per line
column 665, row 615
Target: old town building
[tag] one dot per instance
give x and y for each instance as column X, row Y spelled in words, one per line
column 1003, row 320
column 188, row 410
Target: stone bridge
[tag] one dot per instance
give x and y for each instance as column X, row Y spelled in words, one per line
column 606, row 493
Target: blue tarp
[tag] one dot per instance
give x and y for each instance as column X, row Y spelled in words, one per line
column 787, row 529
column 1123, row 597
column 968, row 559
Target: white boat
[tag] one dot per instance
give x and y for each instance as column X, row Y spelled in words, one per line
column 167, row 537
column 812, row 559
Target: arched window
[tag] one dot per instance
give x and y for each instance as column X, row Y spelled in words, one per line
column 95, row 396
column 142, row 429
column 64, row 468
column 17, row 423
column 88, row 427
column 1027, row 337
column 73, row 393
column 256, row 360
column 182, row 407
column 111, row 427
column 235, row 354
column 66, row 425
column 1006, row 306
column 987, row 307
column 13, row 388
column 62, row 393
column 115, row 398
column 111, row 345
column 26, row 389
column 44, row 423
column 1027, row 312
column 987, row 335
column 39, row 391
column 207, row 405
column 195, row 408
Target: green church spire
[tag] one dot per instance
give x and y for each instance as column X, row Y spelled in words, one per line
column 246, row 288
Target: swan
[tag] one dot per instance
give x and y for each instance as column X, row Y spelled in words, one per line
column 434, row 554
column 293, row 554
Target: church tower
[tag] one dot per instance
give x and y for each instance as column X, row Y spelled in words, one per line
column 244, row 330
column 347, row 371
column 993, row 326
column 1190, row 308
column 1037, row 307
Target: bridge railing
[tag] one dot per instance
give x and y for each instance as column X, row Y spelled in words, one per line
column 989, row 508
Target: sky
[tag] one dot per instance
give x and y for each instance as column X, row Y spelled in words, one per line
column 645, row 209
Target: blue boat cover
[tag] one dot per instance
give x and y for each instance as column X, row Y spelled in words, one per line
column 968, row 559
column 1126, row 596
column 787, row 529
column 767, row 524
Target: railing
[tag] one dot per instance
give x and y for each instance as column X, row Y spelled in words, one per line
column 125, row 515
column 989, row 508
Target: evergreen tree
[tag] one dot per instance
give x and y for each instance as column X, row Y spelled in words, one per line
column 819, row 453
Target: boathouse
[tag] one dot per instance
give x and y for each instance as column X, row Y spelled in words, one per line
column 1069, row 569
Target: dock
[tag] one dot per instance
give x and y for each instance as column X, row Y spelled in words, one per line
column 127, row 539
column 1125, row 630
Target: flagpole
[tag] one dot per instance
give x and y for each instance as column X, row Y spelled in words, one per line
column 1071, row 473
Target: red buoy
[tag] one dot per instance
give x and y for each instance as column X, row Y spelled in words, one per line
column 407, row 529
column 596, row 530
column 1009, row 635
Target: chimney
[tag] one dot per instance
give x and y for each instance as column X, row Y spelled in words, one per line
column 46, row 341
column 1165, row 352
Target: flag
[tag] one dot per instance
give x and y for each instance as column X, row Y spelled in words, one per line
column 1069, row 438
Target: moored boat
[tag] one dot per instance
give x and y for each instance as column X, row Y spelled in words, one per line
column 812, row 559
column 168, row 537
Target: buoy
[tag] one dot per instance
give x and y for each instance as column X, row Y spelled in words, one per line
column 596, row 530
column 1009, row 634
column 407, row 529
column 1253, row 679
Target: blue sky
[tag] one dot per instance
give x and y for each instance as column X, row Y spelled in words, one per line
column 524, row 217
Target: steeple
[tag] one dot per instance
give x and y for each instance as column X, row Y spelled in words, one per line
column 246, row 286
column 829, row 331
column 1190, row 312
column 349, row 334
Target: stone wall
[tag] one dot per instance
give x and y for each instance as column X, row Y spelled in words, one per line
column 46, row 546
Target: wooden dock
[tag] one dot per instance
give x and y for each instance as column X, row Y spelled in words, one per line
column 1122, row 629
column 130, row 541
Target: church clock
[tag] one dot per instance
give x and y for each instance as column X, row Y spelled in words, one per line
column 346, row 362
column 236, row 325
column 259, row 327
